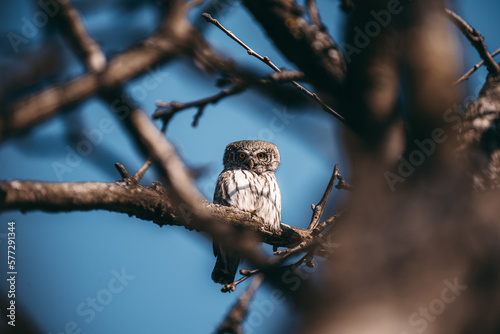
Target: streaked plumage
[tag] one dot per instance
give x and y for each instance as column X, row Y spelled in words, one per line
column 247, row 183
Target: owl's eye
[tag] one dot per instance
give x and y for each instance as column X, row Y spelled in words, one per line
column 242, row 155
column 261, row 155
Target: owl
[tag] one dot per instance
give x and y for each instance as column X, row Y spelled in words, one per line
column 247, row 183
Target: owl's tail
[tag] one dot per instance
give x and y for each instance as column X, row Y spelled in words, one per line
column 225, row 267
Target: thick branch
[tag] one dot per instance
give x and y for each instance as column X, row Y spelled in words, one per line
column 148, row 203
column 174, row 39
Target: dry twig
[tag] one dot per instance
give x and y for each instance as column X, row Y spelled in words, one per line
column 269, row 63
column 234, row 319
column 166, row 111
column 477, row 41
column 318, row 209
column 467, row 74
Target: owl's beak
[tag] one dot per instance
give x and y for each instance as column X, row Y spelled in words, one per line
column 251, row 164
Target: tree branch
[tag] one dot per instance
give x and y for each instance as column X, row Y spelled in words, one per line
column 234, row 319
column 477, row 41
column 318, row 209
column 176, row 37
column 467, row 74
column 148, row 203
column 73, row 29
column 166, row 111
column 312, row 50
column 269, row 63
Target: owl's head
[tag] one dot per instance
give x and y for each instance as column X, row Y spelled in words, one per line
column 255, row 155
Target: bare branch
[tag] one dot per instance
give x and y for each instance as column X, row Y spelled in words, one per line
column 311, row 49
column 342, row 183
column 140, row 173
column 176, row 37
column 148, row 203
column 166, row 110
column 308, row 243
column 318, row 209
column 123, row 172
column 246, row 275
column 73, row 29
column 477, row 41
column 467, row 75
column 269, row 63
column 234, row 319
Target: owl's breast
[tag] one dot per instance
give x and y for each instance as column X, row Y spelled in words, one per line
column 249, row 191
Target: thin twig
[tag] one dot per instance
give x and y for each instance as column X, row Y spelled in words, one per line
column 234, row 319
column 123, row 172
column 137, row 176
column 477, row 41
column 309, row 242
column 320, row 227
column 269, row 63
column 342, row 183
column 140, row 173
column 313, row 239
column 246, row 274
column 166, row 111
column 473, row 69
column 318, row 209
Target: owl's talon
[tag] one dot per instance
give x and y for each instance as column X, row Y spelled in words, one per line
column 267, row 230
column 228, row 287
column 263, row 229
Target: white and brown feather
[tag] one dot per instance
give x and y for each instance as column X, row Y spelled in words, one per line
column 249, row 191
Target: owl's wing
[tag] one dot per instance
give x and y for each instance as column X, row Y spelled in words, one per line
column 221, row 189
column 221, row 197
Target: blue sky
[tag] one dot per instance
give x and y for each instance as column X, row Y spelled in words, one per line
column 67, row 260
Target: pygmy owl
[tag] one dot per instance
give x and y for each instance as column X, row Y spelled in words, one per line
column 247, row 183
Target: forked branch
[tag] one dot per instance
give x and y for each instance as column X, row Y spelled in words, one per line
column 269, row 63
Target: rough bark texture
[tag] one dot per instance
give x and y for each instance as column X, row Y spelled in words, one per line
column 148, row 203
